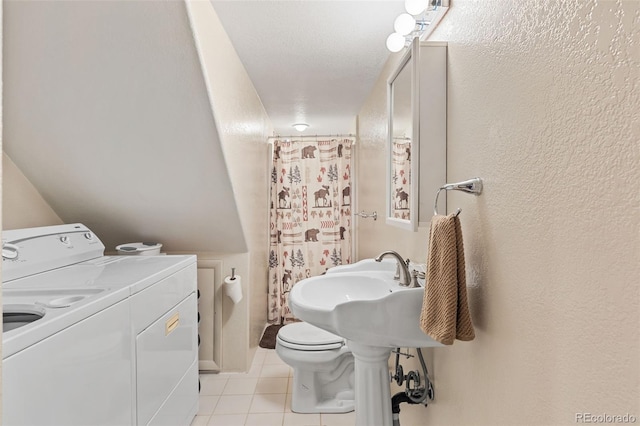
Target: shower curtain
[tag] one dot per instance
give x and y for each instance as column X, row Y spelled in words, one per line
column 310, row 214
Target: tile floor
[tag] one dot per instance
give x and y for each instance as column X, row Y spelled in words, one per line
column 260, row 397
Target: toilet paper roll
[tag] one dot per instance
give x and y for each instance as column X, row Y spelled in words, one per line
column 233, row 288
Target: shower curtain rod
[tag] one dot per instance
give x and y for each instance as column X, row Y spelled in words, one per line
column 349, row 135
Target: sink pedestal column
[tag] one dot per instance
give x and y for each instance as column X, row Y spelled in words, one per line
column 372, row 390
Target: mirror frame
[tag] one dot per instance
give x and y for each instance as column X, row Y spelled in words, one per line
column 411, row 58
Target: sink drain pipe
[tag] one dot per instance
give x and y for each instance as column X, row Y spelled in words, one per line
column 396, row 400
column 411, row 395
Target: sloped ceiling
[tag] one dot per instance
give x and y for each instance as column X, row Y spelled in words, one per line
column 106, row 113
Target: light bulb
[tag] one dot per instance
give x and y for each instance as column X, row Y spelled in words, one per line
column 395, row 42
column 415, row 7
column 404, row 24
column 300, row 126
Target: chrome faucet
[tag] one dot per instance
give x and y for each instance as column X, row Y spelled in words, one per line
column 403, row 275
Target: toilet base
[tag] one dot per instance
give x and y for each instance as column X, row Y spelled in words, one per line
column 323, row 369
column 313, row 393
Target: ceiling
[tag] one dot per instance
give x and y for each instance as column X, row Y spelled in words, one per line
column 311, row 61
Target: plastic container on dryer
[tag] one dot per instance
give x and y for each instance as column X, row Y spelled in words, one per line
column 140, row 249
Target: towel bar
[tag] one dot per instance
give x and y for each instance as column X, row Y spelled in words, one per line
column 374, row 215
column 471, row 186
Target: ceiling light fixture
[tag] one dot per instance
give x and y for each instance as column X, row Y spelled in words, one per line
column 301, row 127
column 421, row 18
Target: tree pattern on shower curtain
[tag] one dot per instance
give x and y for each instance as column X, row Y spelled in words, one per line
column 310, row 215
column 401, row 178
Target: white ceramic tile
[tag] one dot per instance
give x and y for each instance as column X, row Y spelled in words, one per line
column 200, row 421
column 260, row 355
column 230, row 375
column 268, row 403
column 287, row 404
column 206, row 404
column 254, row 370
column 275, row 370
column 273, row 358
column 211, row 384
column 237, row 386
column 261, row 397
column 233, row 404
column 271, row 419
column 295, row 419
column 272, row 385
column 346, row 419
column 227, row 420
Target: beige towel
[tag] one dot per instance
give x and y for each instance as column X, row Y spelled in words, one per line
column 445, row 311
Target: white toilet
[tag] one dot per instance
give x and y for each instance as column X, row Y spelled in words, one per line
column 323, row 374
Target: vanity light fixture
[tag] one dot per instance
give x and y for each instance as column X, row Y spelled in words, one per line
column 404, row 24
column 415, row 7
column 395, row 42
column 421, row 18
column 301, row 127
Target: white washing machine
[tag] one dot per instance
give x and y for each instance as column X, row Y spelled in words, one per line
column 96, row 340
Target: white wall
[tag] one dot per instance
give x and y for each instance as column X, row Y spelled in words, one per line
column 1, row 178
column 543, row 104
column 107, row 114
column 139, row 120
column 22, row 204
column 243, row 126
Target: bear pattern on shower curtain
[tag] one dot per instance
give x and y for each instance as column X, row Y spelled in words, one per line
column 401, row 178
column 310, row 215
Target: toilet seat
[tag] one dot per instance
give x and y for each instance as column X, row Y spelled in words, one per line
column 305, row 337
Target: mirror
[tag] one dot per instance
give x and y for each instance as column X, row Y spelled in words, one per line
column 403, row 146
column 417, row 139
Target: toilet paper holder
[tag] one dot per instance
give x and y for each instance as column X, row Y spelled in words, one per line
column 233, row 287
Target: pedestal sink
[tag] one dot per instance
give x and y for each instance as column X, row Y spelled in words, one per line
column 366, row 306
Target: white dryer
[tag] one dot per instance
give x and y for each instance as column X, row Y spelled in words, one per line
column 94, row 339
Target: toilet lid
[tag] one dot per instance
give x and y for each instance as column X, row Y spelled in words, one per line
column 304, row 335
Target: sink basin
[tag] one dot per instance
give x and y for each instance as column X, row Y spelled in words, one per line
column 366, row 265
column 365, row 306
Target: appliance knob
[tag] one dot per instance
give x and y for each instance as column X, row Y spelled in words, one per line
column 88, row 236
column 9, row 251
column 65, row 240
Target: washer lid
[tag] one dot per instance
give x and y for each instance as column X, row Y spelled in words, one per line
column 302, row 333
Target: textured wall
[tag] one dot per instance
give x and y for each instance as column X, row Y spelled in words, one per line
column 543, row 104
